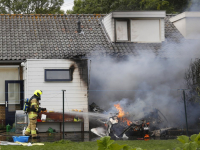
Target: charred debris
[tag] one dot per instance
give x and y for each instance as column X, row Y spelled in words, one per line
column 124, row 126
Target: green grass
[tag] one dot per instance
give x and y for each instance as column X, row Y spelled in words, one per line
column 68, row 145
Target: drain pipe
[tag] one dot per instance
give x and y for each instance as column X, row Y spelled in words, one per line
column 63, row 113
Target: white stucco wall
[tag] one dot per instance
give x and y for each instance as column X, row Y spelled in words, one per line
column 188, row 24
column 76, row 96
column 193, row 28
column 181, row 26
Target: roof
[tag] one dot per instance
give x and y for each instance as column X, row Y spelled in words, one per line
column 172, row 35
column 55, row 37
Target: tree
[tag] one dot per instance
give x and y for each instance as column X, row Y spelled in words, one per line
column 192, row 77
column 179, row 5
column 106, row 6
column 31, row 6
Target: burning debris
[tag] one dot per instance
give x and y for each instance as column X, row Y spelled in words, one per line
column 95, row 108
column 123, row 125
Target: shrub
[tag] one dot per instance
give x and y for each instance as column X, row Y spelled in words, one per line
column 190, row 143
column 106, row 144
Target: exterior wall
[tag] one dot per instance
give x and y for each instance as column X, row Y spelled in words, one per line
column 188, row 24
column 181, row 26
column 76, row 96
column 138, row 32
column 108, row 22
column 162, row 29
column 7, row 73
column 192, row 28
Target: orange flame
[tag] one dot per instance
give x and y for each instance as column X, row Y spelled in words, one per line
column 121, row 114
column 146, row 137
column 120, row 110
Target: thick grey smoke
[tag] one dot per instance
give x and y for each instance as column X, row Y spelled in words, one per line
column 144, row 82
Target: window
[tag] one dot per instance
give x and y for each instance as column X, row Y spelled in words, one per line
column 145, row 31
column 139, row 30
column 58, row 75
column 122, row 29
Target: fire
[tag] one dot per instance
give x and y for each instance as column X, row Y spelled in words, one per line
column 146, row 137
column 120, row 110
column 121, row 114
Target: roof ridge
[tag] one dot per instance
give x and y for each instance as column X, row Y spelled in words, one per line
column 52, row 14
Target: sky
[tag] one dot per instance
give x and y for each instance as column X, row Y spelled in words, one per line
column 68, row 4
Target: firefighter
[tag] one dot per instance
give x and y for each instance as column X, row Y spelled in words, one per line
column 33, row 113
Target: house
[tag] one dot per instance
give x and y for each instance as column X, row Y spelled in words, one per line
column 47, row 52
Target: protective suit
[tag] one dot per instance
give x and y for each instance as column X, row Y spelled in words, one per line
column 33, row 113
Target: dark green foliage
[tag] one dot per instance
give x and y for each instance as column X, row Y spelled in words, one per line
column 193, row 81
column 191, row 143
column 106, row 144
column 106, row 6
column 31, row 6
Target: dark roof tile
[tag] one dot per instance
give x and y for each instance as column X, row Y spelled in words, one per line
column 55, row 36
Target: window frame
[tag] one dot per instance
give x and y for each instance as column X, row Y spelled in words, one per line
column 128, row 30
column 45, row 75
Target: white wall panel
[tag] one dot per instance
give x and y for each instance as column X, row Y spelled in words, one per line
column 109, row 26
column 188, row 24
column 76, row 96
column 181, row 26
column 193, row 28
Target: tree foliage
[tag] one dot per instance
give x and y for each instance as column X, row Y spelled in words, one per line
column 106, row 6
column 192, row 77
column 31, row 6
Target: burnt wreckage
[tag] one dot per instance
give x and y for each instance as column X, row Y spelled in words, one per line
column 118, row 126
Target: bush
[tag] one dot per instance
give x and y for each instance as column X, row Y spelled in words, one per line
column 190, row 143
column 106, row 144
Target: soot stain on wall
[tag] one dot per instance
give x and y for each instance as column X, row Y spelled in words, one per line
column 72, row 68
column 82, row 69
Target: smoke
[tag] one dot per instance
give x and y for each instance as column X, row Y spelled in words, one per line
column 194, row 5
column 144, row 82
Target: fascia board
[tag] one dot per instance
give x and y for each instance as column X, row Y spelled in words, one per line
column 139, row 14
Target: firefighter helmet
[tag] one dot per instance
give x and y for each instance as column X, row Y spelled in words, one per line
column 38, row 93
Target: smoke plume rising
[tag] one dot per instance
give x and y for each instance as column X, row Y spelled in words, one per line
column 194, row 6
column 144, row 82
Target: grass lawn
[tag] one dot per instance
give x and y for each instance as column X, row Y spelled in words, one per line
column 68, row 145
